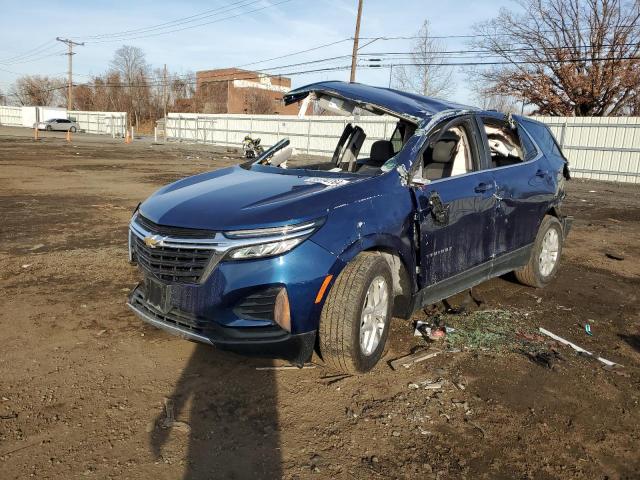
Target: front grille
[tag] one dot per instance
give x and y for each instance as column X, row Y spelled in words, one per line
column 176, row 265
column 258, row 306
column 176, row 318
column 179, row 232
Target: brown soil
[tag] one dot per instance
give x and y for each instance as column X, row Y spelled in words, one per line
column 83, row 382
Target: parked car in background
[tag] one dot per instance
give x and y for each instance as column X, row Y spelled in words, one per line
column 286, row 252
column 58, row 124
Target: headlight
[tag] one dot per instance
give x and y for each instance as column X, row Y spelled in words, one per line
column 265, row 249
column 268, row 242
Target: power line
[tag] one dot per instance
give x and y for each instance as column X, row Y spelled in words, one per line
column 347, row 67
column 192, row 26
column 171, row 23
column 475, row 35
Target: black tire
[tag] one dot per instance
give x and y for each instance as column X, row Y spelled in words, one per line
column 72, row 129
column 531, row 274
column 48, row 128
column 340, row 321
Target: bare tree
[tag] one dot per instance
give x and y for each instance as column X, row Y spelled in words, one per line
column 133, row 70
column 427, row 76
column 3, row 98
column 567, row 57
column 501, row 103
column 38, row 90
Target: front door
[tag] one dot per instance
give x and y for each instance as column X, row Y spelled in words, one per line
column 455, row 205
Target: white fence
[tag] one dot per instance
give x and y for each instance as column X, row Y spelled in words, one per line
column 601, row 148
column 312, row 135
column 604, row 148
column 106, row 123
column 11, row 116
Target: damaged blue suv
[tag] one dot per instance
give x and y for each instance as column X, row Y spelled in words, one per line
column 290, row 252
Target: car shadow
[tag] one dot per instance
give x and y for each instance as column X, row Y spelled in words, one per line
column 632, row 340
column 231, row 411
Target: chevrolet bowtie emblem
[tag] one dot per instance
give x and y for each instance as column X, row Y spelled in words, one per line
column 153, row 241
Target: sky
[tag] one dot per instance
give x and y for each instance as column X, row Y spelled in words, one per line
column 280, row 27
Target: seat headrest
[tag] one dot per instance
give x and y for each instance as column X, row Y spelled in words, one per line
column 443, row 151
column 381, row 151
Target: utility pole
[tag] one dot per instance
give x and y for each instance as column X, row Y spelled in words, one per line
column 70, row 44
column 164, row 91
column 354, row 55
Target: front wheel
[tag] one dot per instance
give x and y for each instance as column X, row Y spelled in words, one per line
column 72, row 129
column 48, row 128
column 545, row 255
column 354, row 323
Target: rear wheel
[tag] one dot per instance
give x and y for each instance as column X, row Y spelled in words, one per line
column 72, row 129
column 354, row 323
column 545, row 255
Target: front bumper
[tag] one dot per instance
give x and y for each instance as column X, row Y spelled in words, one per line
column 269, row 341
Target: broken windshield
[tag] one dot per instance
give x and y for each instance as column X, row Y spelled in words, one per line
column 359, row 150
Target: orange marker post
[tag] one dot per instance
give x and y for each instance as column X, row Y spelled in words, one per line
column 35, row 133
column 68, row 135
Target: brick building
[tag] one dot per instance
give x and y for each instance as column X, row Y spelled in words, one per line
column 232, row 90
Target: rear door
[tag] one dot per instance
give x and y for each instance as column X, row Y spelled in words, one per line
column 455, row 206
column 524, row 187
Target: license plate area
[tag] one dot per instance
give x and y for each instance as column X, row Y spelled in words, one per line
column 157, row 294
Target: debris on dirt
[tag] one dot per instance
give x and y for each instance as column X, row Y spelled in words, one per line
column 577, row 348
column 438, row 334
column 587, row 329
column 26, row 265
column 331, row 379
column 9, row 416
column 421, row 328
column 617, row 369
column 477, row 427
column 287, row 367
column 469, row 298
column 169, row 421
column 545, row 359
column 37, row 247
column 614, row 256
column 498, row 330
column 426, row 385
column 413, row 358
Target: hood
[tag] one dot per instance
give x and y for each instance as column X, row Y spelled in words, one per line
column 409, row 106
column 235, row 198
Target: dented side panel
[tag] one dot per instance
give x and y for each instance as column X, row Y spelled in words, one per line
column 377, row 214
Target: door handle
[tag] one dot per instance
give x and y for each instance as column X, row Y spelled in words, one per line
column 542, row 173
column 484, row 187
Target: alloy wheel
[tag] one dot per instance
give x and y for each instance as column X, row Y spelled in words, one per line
column 374, row 315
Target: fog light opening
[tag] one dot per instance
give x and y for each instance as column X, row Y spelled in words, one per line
column 281, row 311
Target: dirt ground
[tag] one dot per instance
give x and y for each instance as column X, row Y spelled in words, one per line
column 83, row 382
